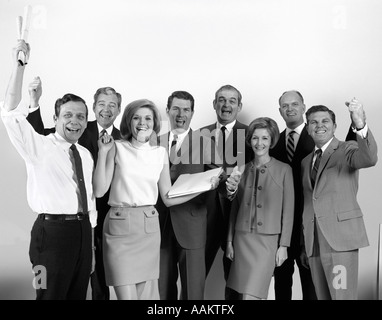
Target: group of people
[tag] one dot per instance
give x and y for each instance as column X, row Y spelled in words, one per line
column 283, row 198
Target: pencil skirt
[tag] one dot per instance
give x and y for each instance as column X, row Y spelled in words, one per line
column 254, row 262
column 131, row 245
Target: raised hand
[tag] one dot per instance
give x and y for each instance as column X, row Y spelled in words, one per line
column 105, row 143
column 35, row 92
column 21, row 46
column 233, row 180
column 357, row 114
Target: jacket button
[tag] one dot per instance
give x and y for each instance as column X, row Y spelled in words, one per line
column 153, row 212
column 262, row 171
column 260, row 187
column 117, row 214
column 259, row 206
column 259, row 223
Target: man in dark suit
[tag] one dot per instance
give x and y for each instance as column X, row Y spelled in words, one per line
column 333, row 224
column 292, row 109
column 233, row 151
column 106, row 107
column 184, row 227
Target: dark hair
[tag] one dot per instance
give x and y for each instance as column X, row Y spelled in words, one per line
column 130, row 110
column 107, row 90
column 320, row 108
column 184, row 95
column 263, row 123
column 296, row 92
column 228, row 87
column 66, row 98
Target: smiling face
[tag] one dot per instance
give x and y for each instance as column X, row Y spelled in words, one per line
column 227, row 106
column 71, row 121
column 142, row 124
column 321, row 127
column 106, row 109
column 292, row 109
column 261, row 142
column 180, row 115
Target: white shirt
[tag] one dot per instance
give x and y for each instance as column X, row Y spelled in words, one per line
column 51, row 187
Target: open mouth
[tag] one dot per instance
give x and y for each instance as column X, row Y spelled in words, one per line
column 105, row 116
column 73, row 130
column 321, row 131
column 180, row 123
column 226, row 112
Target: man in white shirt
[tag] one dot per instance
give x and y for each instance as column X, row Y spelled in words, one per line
column 106, row 107
column 58, row 191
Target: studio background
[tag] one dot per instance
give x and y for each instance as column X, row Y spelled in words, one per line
column 329, row 50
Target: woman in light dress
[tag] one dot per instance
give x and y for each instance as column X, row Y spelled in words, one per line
column 136, row 169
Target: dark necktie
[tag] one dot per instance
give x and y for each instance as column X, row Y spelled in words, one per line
column 173, row 149
column 222, row 140
column 80, row 178
column 102, row 133
column 290, row 146
column 313, row 175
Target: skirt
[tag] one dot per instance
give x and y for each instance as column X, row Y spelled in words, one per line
column 254, row 262
column 131, row 245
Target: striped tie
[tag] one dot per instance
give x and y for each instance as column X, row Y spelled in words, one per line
column 313, row 174
column 290, row 146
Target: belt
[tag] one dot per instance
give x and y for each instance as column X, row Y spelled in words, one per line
column 63, row 217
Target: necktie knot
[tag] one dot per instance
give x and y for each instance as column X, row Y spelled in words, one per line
column 173, row 148
column 102, row 133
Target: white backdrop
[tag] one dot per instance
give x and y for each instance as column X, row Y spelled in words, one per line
column 329, row 50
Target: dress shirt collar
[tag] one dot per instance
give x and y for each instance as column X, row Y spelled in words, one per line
column 108, row 130
column 228, row 126
column 298, row 130
column 324, row 147
column 65, row 144
column 181, row 136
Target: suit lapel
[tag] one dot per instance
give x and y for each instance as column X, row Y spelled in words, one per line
column 324, row 160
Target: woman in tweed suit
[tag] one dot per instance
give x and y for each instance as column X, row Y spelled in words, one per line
column 261, row 217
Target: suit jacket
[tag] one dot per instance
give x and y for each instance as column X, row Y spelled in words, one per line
column 304, row 146
column 272, row 200
column 89, row 140
column 188, row 220
column 237, row 152
column 333, row 200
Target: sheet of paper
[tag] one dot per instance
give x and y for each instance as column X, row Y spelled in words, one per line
column 193, row 183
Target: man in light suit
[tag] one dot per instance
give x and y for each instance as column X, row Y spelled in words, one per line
column 333, row 226
column 106, row 107
column 292, row 109
column 184, row 227
column 227, row 105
